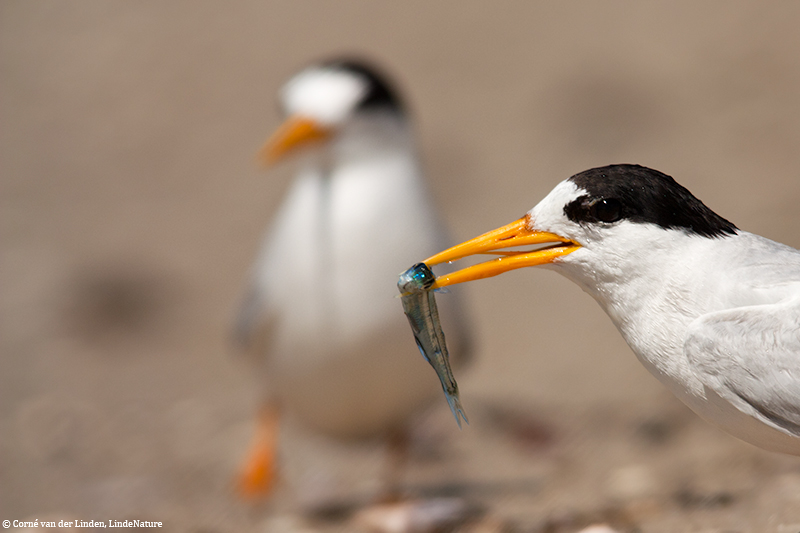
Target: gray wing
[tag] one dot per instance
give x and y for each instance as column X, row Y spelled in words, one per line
column 276, row 267
column 259, row 304
column 750, row 356
column 265, row 293
column 251, row 315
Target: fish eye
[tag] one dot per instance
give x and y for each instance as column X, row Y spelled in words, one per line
column 606, row 210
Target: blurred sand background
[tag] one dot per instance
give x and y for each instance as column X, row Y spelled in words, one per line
column 131, row 208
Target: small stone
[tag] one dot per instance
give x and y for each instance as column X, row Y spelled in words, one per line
column 286, row 523
column 691, row 499
column 420, row 516
column 598, row 528
column 631, row 482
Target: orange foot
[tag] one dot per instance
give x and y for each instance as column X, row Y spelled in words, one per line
column 257, row 477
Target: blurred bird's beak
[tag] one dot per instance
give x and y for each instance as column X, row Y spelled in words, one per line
column 518, row 233
column 295, row 133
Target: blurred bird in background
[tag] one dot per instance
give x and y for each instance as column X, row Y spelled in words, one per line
column 321, row 310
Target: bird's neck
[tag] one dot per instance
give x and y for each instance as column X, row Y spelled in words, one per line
column 652, row 294
column 371, row 135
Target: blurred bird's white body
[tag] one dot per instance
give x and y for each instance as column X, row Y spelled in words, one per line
column 340, row 353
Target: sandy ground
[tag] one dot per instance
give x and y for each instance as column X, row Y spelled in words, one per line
column 131, row 208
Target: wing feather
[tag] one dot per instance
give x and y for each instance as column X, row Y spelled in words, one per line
column 750, row 356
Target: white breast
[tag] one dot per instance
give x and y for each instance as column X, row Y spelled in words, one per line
column 341, row 354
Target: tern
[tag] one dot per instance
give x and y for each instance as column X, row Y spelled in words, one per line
column 321, row 308
column 712, row 311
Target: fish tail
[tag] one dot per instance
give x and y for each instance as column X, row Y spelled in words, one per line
column 456, row 408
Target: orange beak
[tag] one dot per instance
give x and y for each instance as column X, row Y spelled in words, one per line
column 295, row 133
column 515, row 234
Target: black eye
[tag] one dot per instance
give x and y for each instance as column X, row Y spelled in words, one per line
column 606, row 210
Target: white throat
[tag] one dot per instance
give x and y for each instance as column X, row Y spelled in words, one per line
column 372, row 135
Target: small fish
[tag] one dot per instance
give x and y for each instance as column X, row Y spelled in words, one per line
column 419, row 305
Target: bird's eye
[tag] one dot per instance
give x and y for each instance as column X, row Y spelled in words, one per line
column 606, row 210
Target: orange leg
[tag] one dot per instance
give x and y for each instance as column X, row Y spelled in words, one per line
column 257, row 476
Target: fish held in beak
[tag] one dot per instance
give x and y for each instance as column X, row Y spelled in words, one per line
column 419, row 305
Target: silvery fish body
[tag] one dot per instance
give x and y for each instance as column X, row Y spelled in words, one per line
column 419, row 304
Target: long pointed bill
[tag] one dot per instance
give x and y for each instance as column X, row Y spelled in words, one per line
column 296, row 132
column 515, row 234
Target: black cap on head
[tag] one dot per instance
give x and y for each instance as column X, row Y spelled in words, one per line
column 380, row 94
column 641, row 194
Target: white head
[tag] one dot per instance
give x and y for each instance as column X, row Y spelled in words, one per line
column 321, row 100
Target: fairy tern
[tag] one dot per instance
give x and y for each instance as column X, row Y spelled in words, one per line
column 321, row 308
column 712, row 311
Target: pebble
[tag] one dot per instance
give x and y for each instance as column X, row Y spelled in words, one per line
column 420, row 516
column 598, row 528
column 631, row 482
